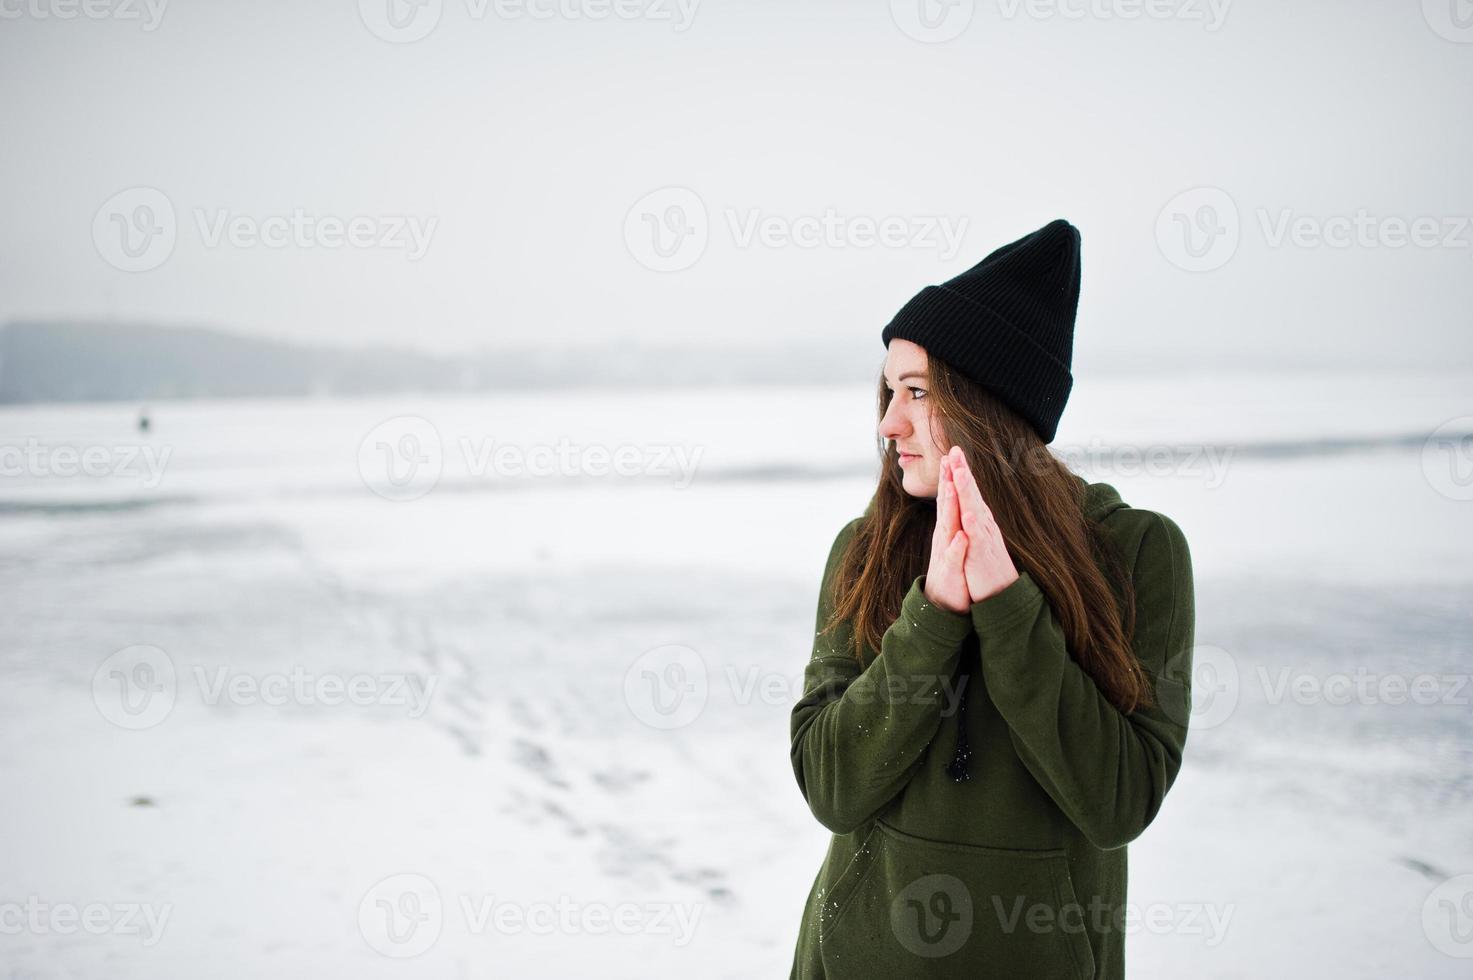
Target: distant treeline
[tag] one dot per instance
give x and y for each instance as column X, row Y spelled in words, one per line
column 57, row 361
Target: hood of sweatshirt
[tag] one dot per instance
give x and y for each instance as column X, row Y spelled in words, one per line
column 1100, row 499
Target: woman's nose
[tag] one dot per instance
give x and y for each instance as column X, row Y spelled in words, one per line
column 892, row 424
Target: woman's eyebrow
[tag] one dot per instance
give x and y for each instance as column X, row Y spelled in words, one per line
column 911, row 374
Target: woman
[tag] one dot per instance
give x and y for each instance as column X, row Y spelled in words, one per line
column 997, row 699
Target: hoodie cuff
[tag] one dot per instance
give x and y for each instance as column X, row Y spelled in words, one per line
column 942, row 625
column 1000, row 612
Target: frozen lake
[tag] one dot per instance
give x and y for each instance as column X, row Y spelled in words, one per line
column 279, row 675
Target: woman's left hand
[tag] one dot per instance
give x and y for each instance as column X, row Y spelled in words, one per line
column 989, row 568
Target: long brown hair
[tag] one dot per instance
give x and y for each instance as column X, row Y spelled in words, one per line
column 1039, row 507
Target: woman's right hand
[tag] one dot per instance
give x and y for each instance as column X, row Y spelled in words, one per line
column 946, row 580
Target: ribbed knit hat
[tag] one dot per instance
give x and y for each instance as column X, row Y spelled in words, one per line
column 1007, row 323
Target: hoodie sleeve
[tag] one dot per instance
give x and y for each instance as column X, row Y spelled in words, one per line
column 1108, row 771
column 858, row 735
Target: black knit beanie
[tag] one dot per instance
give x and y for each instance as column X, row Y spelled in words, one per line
column 1007, row 323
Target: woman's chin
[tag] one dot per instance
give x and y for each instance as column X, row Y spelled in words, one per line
column 916, row 487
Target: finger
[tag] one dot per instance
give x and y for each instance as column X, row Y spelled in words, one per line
column 956, row 552
column 948, row 515
column 980, row 531
column 969, row 494
column 941, row 534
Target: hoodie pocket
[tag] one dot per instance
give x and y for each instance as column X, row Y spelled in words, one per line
column 911, row 906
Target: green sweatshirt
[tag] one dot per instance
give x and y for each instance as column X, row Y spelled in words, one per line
column 1020, row 871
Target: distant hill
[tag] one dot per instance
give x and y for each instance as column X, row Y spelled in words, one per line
column 58, row 361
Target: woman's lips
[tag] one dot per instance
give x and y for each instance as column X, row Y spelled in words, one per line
column 907, row 457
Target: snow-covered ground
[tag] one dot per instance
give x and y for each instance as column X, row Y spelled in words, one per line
column 258, row 719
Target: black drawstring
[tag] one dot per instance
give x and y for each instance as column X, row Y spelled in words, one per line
column 957, row 768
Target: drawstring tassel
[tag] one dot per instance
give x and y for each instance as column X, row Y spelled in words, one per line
column 957, row 768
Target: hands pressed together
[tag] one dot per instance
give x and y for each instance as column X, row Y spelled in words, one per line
column 969, row 559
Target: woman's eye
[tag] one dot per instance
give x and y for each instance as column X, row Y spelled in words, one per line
column 918, row 393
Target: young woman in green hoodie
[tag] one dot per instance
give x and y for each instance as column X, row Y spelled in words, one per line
column 988, row 591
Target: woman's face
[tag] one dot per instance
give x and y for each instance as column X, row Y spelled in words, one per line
column 908, row 422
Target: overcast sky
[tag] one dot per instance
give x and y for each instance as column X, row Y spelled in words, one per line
column 464, row 172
